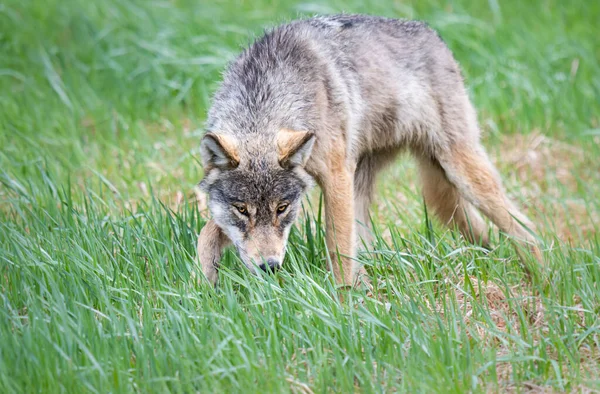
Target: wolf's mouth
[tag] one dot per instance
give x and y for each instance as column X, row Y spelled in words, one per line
column 269, row 265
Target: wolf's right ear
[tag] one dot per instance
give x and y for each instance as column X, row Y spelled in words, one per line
column 218, row 151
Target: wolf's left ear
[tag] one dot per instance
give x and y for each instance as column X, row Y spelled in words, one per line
column 218, row 150
column 294, row 147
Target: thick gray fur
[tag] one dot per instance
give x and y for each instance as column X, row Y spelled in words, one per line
column 366, row 88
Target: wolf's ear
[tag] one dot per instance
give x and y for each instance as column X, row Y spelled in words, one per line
column 219, row 151
column 294, row 147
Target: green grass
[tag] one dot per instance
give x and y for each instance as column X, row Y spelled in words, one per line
column 101, row 111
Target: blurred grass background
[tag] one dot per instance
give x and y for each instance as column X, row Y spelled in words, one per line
column 101, row 111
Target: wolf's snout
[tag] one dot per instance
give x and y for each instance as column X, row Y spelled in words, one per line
column 271, row 265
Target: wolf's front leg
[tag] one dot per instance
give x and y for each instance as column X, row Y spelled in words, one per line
column 211, row 243
column 338, row 191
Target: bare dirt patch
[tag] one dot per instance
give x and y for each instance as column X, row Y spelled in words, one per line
column 511, row 310
column 475, row 298
column 549, row 174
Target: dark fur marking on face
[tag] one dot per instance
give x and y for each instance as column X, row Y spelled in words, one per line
column 257, row 186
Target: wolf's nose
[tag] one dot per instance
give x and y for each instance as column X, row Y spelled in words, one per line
column 271, row 265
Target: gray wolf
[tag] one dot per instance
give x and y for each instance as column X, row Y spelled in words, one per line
column 335, row 99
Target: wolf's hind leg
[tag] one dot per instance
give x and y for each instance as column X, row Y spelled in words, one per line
column 211, row 243
column 445, row 201
column 468, row 168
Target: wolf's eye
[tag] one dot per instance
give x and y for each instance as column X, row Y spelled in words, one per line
column 282, row 208
column 242, row 209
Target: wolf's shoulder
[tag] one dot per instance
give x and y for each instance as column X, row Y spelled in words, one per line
column 359, row 23
column 329, row 26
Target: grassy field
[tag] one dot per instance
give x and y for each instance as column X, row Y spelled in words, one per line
column 101, row 110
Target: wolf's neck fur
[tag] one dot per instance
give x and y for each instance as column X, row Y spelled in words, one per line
column 274, row 84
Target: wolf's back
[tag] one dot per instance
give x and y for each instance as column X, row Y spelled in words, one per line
column 351, row 62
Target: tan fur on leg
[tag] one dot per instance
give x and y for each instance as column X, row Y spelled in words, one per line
column 211, row 243
column 470, row 170
column 338, row 191
column 340, row 235
column 447, row 204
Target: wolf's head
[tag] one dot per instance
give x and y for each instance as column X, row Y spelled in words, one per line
column 255, row 186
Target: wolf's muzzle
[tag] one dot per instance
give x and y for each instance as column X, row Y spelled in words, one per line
column 270, row 266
